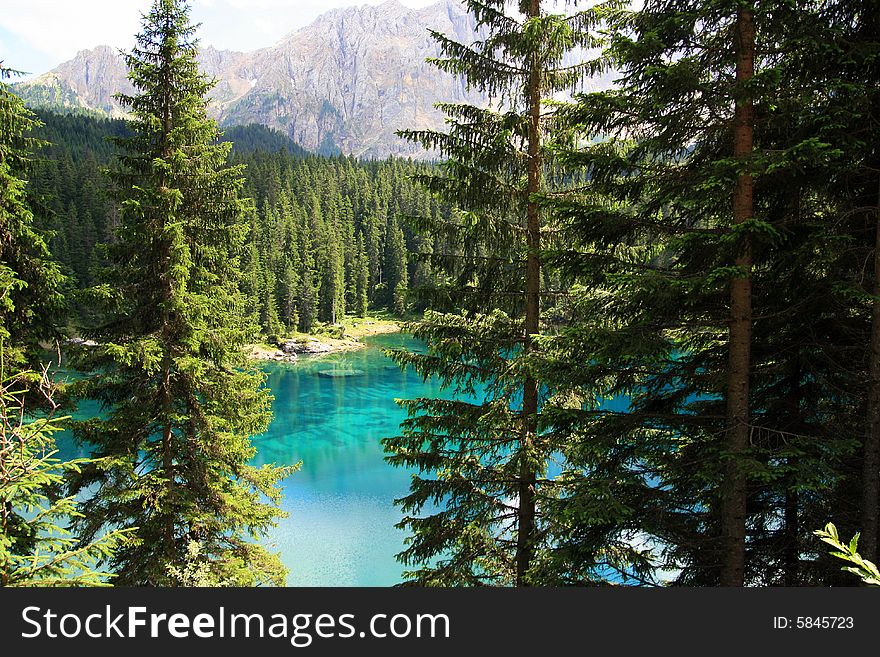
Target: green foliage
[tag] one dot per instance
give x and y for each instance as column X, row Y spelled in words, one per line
column 180, row 401
column 199, row 570
column 36, row 545
column 578, row 298
column 395, row 271
column 362, row 280
column 300, row 261
column 477, row 509
column 33, row 305
column 644, row 347
column 849, row 552
column 253, row 137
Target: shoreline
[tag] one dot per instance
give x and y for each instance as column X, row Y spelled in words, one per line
column 314, row 346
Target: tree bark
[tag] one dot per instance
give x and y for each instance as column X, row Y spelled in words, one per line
column 525, row 547
column 4, row 527
column 871, row 462
column 791, row 506
column 734, row 492
column 791, row 554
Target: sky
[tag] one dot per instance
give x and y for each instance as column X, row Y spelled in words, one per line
column 37, row 35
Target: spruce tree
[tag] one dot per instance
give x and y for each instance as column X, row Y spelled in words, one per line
column 394, row 265
column 853, row 65
column 483, row 457
column 288, row 285
column 362, row 278
column 36, row 546
column 332, row 292
column 33, row 305
column 180, row 403
column 700, row 296
column 307, row 295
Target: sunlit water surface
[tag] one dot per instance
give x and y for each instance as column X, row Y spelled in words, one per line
column 340, row 530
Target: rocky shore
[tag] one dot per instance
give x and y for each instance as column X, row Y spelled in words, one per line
column 290, row 350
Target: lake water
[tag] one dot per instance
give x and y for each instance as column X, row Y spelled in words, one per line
column 340, row 530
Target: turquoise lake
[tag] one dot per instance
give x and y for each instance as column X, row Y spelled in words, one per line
column 340, row 530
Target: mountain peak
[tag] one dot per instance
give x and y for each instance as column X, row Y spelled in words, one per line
column 347, row 82
column 102, row 49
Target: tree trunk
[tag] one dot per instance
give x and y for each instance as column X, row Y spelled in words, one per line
column 6, row 507
column 733, row 504
column 4, row 528
column 525, row 548
column 168, row 467
column 791, row 554
column 871, row 463
column 167, row 330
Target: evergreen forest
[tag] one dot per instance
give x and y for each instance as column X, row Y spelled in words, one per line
column 654, row 308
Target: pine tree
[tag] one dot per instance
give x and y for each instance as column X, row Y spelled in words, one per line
column 332, row 293
column 307, row 296
column 350, row 262
column 250, row 281
column 36, row 548
column 701, row 298
column 269, row 318
column 288, row 285
column 394, row 271
column 34, row 306
column 341, row 197
column 362, row 278
column 852, row 111
column 372, row 245
column 483, row 455
column 180, row 402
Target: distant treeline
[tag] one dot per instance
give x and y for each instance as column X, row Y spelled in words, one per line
column 326, row 237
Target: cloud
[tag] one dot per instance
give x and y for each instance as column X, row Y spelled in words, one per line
column 48, row 32
column 60, row 29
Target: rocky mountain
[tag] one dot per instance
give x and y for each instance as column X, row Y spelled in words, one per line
column 88, row 81
column 345, row 83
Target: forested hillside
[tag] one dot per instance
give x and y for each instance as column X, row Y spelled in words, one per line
column 652, row 312
column 326, row 235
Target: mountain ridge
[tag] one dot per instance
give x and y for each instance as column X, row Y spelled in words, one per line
column 344, row 83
